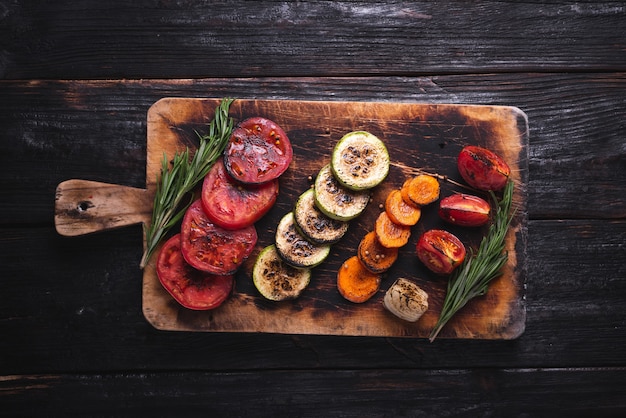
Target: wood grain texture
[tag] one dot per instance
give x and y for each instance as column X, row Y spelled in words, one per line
column 346, row 393
column 77, row 81
column 187, row 39
column 427, row 137
column 83, row 207
column 50, row 131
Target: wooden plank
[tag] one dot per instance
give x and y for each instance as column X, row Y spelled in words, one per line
column 432, row 134
column 310, row 393
column 63, row 40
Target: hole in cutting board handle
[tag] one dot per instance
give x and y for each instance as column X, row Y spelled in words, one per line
column 83, row 207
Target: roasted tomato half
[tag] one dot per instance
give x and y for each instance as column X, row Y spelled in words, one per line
column 234, row 205
column 464, row 210
column 440, row 251
column 482, row 169
column 191, row 288
column 258, row 151
column 211, row 248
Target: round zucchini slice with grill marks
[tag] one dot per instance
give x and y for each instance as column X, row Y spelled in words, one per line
column 337, row 201
column 276, row 280
column 294, row 248
column 314, row 224
column 360, row 160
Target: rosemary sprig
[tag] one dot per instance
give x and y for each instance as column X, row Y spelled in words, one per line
column 472, row 278
column 183, row 176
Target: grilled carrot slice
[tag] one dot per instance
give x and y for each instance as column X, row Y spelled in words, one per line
column 356, row 283
column 374, row 256
column 420, row 190
column 399, row 211
column 390, row 234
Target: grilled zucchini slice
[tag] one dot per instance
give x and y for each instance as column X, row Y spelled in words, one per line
column 294, row 248
column 336, row 201
column 314, row 224
column 276, row 280
column 360, row 160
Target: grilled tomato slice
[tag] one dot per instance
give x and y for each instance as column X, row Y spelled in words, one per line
column 440, row 251
column 211, row 248
column 257, row 151
column 193, row 289
column 234, row 205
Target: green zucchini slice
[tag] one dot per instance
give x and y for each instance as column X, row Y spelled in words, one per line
column 360, row 160
column 336, row 201
column 314, row 224
column 294, row 248
column 277, row 280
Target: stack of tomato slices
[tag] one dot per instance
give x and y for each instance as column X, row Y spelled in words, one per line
column 197, row 266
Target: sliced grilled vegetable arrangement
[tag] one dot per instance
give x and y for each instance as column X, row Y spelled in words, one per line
column 177, row 181
column 314, row 224
column 440, row 251
column 335, row 200
column 321, row 215
column 217, row 233
column 295, row 248
column 378, row 249
column 197, row 265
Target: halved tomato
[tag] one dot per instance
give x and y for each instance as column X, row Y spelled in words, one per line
column 191, row 288
column 483, row 169
column 440, row 251
column 258, row 151
column 464, row 210
column 211, row 248
column 234, row 205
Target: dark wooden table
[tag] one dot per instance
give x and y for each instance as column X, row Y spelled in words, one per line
column 77, row 81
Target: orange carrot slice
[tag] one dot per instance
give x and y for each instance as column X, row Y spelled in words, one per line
column 399, row 211
column 374, row 256
column 356, row 283
column 390, row 234
column 420, row 190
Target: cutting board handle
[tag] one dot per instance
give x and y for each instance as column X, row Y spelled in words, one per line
column 83, row 207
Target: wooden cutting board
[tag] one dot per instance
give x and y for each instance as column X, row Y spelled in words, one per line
column 418, row 136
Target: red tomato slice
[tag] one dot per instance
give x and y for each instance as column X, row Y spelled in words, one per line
column 258, row 151
column 191, row 288
column 211, row 248
column 233, row 205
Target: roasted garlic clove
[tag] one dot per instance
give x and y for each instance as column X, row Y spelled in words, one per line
column 406, row 300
